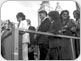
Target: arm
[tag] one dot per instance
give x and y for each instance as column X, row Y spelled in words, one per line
column 57, row 26
column 21, row 27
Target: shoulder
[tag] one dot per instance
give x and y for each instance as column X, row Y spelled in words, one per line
column 32, row 27
column 72, row 21
column 24, row 21
column 47, row 19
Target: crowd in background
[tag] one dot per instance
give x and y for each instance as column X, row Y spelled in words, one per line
column 51, row 48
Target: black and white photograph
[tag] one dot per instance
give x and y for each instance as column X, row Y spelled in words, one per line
column 40, row 30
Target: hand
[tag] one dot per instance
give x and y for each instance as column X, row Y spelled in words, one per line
column 21, row 32
column 30, row 49
column 73, row 29
column 32, row 46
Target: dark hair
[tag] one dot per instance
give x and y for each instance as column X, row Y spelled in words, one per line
column 20, row 14
column 63, row 12
column 54, row 15
column 43, row 11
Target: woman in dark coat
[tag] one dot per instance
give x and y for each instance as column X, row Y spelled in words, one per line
column 67, row 28
column 54, row 42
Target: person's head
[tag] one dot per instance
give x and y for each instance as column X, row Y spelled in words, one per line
column 20, row 16
column 28, row 22
column 76, row 14
column 64, row 14
column 54, row 15
column 42, row 14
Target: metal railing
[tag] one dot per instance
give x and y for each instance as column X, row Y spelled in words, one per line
column 42, row 33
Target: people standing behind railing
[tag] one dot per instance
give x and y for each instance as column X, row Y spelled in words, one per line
column 76, row 14
column 54, row 42
column 42, row 40
column 68, row 26
column 25, row 37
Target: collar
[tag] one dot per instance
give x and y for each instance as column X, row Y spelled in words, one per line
column 44, row 18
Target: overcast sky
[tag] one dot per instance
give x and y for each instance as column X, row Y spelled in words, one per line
column 30, row 9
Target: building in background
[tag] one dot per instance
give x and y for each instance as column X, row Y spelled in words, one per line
column 58, row 7
column 77, row 6
column 45, row 5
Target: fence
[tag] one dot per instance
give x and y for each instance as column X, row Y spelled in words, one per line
column 16, row 52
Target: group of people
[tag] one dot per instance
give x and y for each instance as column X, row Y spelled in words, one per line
column 56, row 48
column 51, row 48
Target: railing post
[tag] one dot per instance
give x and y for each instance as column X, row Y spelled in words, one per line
column 16, row 44
column 72, row 47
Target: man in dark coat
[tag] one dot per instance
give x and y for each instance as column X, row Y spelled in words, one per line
column 42, row 40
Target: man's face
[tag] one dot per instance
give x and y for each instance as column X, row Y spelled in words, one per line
column 19, row 19
column 65, row 15
column 42, row 15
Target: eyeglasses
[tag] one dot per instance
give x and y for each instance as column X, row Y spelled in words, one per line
column 65, row 14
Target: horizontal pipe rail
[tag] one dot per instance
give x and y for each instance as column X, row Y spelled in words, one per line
column 48, row 34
